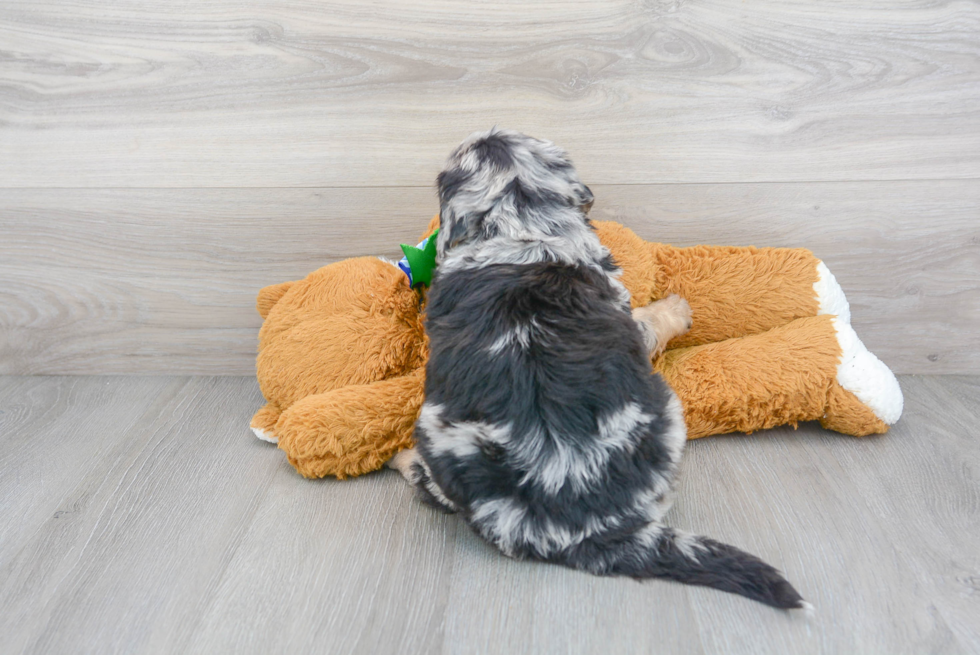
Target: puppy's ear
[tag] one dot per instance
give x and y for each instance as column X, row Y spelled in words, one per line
column 583, row 196
column 494, row 150
column 452, row 226
column 460, row 228
column 449, row 182
column 453, row 229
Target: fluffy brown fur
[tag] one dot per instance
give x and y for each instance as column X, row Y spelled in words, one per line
column 342, row 352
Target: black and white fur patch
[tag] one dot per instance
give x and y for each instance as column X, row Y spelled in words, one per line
column 543, row 425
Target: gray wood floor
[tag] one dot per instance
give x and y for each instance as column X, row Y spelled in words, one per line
column 139, row 515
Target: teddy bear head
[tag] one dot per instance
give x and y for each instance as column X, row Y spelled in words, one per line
column 352, row 322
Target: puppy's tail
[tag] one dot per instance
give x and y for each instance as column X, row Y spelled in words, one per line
column 662, row 552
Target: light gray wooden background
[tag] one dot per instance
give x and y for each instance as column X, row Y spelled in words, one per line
column 161, row 161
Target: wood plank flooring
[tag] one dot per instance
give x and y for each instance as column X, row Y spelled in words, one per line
column 137, row 514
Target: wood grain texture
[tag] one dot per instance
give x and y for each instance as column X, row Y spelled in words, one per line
column 46, row 427
column 147, row 528
column 135, row 281
column 180, row 532
column 164, row 280
column 353, row 93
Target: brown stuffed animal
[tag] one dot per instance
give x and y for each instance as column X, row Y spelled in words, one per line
column 342, row 353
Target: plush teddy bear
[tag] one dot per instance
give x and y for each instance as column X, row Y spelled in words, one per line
column 342, row 352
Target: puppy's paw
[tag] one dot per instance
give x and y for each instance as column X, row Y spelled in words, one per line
column 681, row 311
column 403, row 461
column 663, row 320
column 674, row 314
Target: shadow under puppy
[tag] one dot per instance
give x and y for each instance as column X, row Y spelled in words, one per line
column 543, row 424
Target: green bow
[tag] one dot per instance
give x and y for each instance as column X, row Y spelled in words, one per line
column 422, row 261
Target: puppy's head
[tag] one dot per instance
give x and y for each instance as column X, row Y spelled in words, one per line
column 503, row 182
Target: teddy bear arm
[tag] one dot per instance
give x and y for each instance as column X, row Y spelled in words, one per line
column 263, row 423
column 352, row 430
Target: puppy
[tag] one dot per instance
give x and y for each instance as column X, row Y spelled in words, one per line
column 543, row 425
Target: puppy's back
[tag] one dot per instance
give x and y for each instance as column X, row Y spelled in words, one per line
column 538, row 389
column 546, row 429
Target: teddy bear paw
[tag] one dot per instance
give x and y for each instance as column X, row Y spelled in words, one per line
column 830, row 297
column 265, row 435
column 866, row 376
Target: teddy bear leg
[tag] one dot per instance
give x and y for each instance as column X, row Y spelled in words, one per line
column 736, row 291
column 830, row 297
column 862, row 383
column 733, row 291
column 812, row 368
column 352, row 430
column 264, row 422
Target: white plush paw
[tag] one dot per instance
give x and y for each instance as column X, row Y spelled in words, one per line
column 829, row 294
column 265, row 435
column 864, row 375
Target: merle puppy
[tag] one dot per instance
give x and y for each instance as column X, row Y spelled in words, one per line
column 543, row 425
